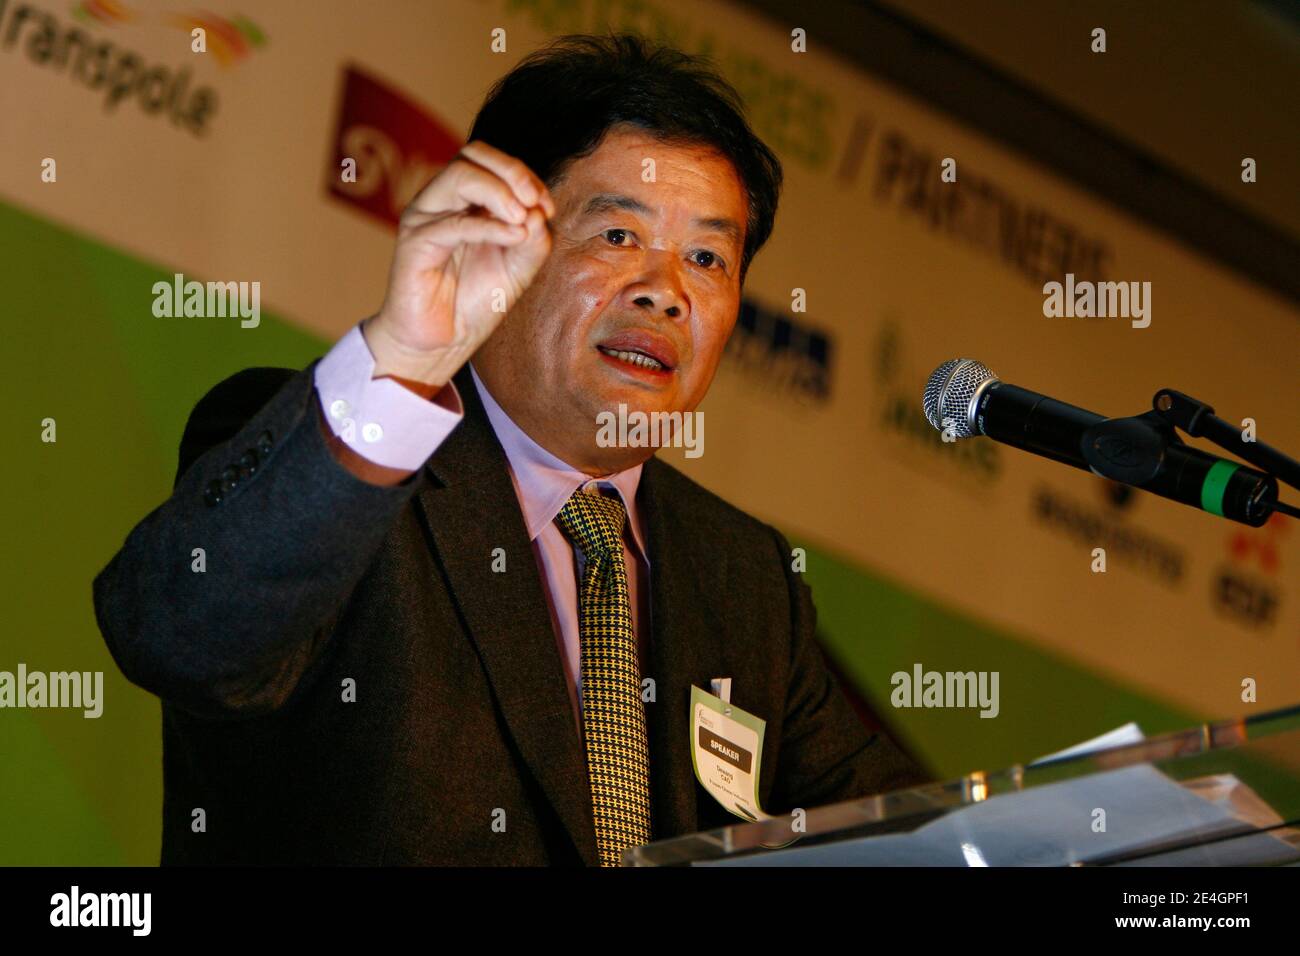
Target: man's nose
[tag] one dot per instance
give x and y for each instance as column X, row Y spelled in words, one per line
column 649, row 302
column 659, row 289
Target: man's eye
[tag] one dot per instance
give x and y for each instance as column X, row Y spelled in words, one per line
column 706, row 259
column 616, row 237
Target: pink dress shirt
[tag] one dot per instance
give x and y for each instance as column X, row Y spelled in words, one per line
column 390, row 425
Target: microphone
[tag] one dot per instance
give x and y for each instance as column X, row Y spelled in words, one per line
column 963, row 398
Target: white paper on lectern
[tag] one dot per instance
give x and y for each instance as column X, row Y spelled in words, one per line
column 1050, row 825
column 1130, row 733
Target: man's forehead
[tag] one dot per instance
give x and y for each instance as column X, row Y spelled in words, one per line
column 632, row 163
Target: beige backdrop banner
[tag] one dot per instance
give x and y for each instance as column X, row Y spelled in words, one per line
column 218, row 165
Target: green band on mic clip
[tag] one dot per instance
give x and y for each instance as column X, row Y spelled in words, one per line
column 1215, row 486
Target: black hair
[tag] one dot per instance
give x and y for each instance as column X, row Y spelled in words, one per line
column 558, row 103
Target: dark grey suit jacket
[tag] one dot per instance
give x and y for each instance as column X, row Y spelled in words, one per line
column 315, row 578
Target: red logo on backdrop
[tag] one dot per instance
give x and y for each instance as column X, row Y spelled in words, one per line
column 396, row 144
column 1263, row 544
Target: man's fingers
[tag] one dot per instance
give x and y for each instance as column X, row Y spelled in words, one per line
column 525, row 258
column 527, row 185
column 467, row 184
column 476, row 170
column 448, row 232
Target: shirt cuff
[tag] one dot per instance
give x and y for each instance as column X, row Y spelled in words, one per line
column 377, row 418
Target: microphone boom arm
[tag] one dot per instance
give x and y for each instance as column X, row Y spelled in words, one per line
column 1198, row 420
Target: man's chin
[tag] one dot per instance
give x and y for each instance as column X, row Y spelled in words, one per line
column 615, row 459
column 624, row 423
column 605, row 393
column 628, row 403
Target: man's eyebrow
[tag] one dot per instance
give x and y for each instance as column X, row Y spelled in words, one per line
column 603, row 202
column 728, row 227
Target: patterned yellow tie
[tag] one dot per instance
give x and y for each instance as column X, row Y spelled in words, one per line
column 613, row 717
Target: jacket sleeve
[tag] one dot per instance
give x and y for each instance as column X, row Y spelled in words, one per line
column 827, row 755
column 286, row 533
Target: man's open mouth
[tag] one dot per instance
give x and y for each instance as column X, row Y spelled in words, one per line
column 634, row 358
column 640, row 349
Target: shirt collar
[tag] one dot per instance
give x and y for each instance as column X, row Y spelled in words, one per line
column 543, row 482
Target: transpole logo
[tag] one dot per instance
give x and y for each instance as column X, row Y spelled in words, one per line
column 121, row 76
column 386, row 147
column 105, row 11
column 230, row 41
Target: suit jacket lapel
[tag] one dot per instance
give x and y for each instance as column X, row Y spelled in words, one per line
column 682, row 578
column 470, row 508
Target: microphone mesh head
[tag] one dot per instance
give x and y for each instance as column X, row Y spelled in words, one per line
column 949, row 392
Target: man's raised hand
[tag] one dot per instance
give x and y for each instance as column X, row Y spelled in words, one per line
column 468, row 246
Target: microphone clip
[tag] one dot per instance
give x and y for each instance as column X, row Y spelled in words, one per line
column 1129, row 450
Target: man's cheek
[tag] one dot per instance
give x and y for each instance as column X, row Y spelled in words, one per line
column 709, row 344
column 588, row 285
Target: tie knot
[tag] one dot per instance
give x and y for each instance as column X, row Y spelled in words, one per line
column 593, row 522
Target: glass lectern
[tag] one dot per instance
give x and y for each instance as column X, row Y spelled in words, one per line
column 1221, row 794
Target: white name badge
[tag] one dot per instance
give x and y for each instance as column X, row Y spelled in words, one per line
column 727, row 751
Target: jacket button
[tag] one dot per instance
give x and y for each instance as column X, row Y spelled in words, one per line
column 248, row 461
column 264, row 443
column 213, row 495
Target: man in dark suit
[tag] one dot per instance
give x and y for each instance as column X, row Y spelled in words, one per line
column 435, row 619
